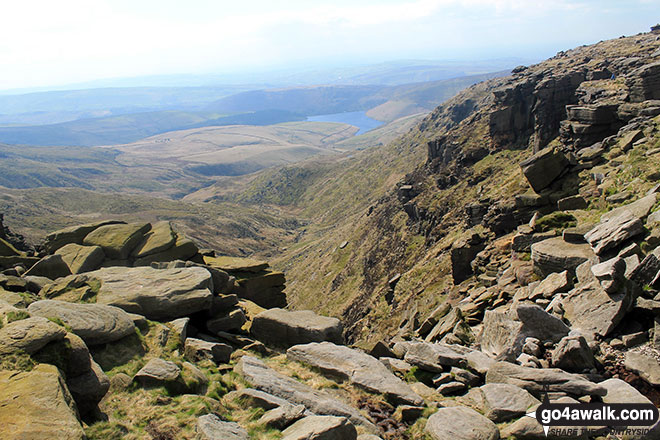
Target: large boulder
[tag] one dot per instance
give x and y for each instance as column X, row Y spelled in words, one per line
column 504, row 333
column 197, row 350
column 460, row 423
column 157, row 372
column 619, row 391
column 74, row 234
column 95, row 323
column 159, row 294
column 320, row 428
column 29, row 335
column 357, row 367
column 117, row 240
column 265, row 288
column 543, row 168
column 36, row 405
column 534, row 380
column 210, row 427
column 51, row 266
column 81, row 258
column 573, row 354
column 590, row 309
column 644, row 83
column 263, row 378
column 501, row 402
column 160, row 238
column 432, row 357
column 89, row 388
column 284, row 328
column 183, row 249
column 557, row 255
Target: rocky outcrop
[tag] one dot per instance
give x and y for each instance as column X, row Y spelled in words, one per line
column 81, row 258
column 284, row 328
column 557, row 255
column 117, row 240
column 356, row 367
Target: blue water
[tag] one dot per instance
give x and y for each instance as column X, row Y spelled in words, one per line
column 358, row 119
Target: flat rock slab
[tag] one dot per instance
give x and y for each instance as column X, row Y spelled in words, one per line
column 117, row 240
column 639, row 209
column 182, row 249
column 283, row 416
column 257, row 399
column 81, row 258
column 283, row 328
column 557, row 255
column 159, row 294
column 263, row 378
column 210, row 427
column 647, row 367
column 36, row 405
column 619, row 391
column 460, row 423
column 236, row 264
column 357, row 367
column 534, row 379
column 613, row 232
column 29, row 335
column 95, row 323
column 320, row 428
column 593, row 311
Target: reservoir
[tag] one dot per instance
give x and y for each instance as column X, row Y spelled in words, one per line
column 358, row 119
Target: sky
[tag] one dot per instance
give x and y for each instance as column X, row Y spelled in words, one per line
column 47, row 43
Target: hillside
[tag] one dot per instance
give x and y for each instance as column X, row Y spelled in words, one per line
column 496, row 260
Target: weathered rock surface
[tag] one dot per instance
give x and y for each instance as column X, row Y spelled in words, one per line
column 619, row 391
column 534, row 379
column 89, row 388
column 160, row 238
column 210, row 427
column 638, row 209
column 197, row 349
column 283, row 416
column 235, row 264
column 29, row 335
column 81, row 258
column 613, row 232
column 543, row 168
column 183, row 249
column 231, row 321
column 36, row 405
column 573, row 354
column 432, row 357
column 356, row 367
column 593, row 311
column 283, row 328
column 501, row 402
column 557, row 255
column 159, row 294
column 157, row 372
column 264, row 288
column 51, row 266
column 646, row 366
column 320, row 428
column 460, row 423
column 503, row 334
column 94, row 323
column 73, row 234
column 267, row 380
column 117, row 240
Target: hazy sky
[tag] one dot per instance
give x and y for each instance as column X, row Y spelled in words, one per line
column 47, row 42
